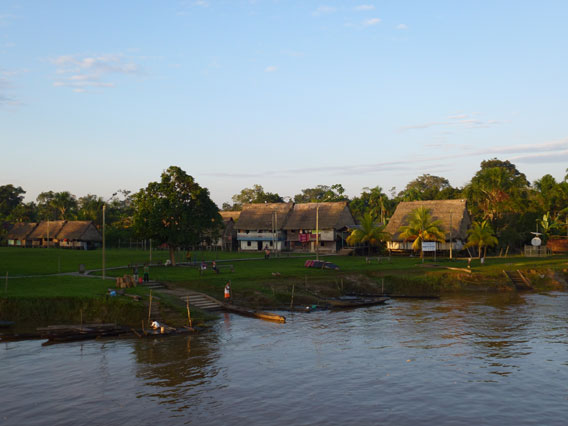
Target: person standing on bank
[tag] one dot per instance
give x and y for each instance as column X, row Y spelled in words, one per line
column 146, row 273
column 228, row 291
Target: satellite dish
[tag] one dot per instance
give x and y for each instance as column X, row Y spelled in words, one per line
column 536, row 241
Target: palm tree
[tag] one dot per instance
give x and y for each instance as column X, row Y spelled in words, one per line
column 421, row 227
column 369, row 232
column 482, row 236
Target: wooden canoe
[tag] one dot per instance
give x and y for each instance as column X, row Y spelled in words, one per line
column 267, row 316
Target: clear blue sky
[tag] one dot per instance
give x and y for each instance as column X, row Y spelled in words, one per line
column 97, row 96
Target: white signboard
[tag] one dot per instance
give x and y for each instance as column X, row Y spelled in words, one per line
column 428, row 245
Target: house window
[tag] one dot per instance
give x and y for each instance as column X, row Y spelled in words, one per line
column 248, row 244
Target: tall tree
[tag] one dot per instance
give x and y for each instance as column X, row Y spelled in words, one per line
column 176, row 211
column 255, row 195
column 321, row 193
column 481, row 235
column 374, row 201
column 10, row 197
column 369, row 232
column 428, row 187
column 422, row 227
column 56, row 205
column 496, row 189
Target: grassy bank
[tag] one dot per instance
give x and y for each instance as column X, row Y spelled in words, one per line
column 256, row 282
column 39, row 301
column 269, row 283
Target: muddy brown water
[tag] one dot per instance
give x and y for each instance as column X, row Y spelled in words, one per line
column 496, row 360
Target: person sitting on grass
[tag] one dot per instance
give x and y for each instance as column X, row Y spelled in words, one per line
column 214, row 267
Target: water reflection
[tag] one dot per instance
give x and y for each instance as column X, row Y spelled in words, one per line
column 490, row 359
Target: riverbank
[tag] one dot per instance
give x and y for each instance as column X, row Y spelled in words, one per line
column 276, row 283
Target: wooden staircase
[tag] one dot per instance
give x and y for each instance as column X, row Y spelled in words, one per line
column 519, row 280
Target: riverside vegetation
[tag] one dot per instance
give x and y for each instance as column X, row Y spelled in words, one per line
column 42, row 286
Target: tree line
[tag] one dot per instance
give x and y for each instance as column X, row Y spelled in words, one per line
column 498, row 195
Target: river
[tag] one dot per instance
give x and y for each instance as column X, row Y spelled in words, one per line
column 484, row 359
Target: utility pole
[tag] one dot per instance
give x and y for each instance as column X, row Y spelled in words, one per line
column 104, row 210
column 451, row 235
column 317, row 232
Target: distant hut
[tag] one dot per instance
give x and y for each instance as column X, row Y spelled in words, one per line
column 18, row 234
column 79, row 234
column 452, row 213
column 260, row 226
column 331, row 220
column 45, row 233
column 228, row 240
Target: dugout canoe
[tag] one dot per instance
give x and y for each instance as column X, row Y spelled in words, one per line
column 267, row 316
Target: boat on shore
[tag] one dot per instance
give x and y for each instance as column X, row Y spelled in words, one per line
column 267, row 316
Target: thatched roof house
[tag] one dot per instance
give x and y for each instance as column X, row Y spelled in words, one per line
column 59, row 233
column 256, row 217
column 332, row 218
column 79, row 234
column 228, row 241
column 45, row 233
column 260, row 226
column 17, row 235
column 452, row 213
column 230, row 215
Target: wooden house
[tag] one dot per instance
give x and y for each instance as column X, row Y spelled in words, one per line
column 260, row 226
column 18, row 234
column 330, row 220
column 452, row 213
column 79, row 234
column 228, row 241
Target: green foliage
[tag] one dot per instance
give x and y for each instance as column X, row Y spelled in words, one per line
column 176, row 211
column 370, row 233
column 321, row 193
column 428, row 187
column 421, row 227
column 57, row 205
column 373, row 201
column 481, row 235
column 10, row 198
column 254, row 195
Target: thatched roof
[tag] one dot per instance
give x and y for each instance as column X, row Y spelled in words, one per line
column 46, row 228
column 20, row 230
column 330, row 216
column 261, row 216
column 79, row 230
column 440, row 209
column 230, row 215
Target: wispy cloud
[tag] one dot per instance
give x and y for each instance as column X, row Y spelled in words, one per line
column 271, row 68
column 364, row 7
column 81, row 73
column 6, row 84
column 540, row 152
column 401, row 27
column 371, row 22
column 458, row 120
column 324, row 10
column 201, row 3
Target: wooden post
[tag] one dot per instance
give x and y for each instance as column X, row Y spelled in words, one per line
column 292, row 299
column 59, row 264
column 6, row 285
column 188, row 312
column 150, row 307
column 81, row 313
column 507, row 251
